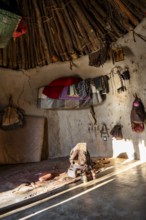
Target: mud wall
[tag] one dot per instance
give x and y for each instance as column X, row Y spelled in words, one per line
column 65, row 128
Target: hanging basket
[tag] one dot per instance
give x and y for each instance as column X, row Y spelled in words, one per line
column 8, row 24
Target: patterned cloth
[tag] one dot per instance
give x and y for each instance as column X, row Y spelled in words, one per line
column 64, row 95
column 83, row 88
column 44, row 102
column 82, row 94
column 72, row 91
column 101, row 84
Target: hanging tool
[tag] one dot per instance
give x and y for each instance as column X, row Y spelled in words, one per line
column 122, row 88
column 104, row 132
column 93, row 126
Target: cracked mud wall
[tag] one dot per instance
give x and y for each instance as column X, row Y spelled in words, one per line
column 68, row 127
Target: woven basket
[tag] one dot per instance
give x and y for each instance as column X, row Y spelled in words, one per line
column 8, row 23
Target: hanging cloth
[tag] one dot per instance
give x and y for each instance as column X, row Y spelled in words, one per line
column 53, row 90
column 21, row 29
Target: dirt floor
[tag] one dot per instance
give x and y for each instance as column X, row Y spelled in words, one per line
column 107, row 196
column 20, row 182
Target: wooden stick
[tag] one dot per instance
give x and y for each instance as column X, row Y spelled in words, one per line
column 137, row 11
column 55, row 33
column 65, row 31
column 81, row 32
column 49, row 23
column 19, row 60
column 46, row 28
column 1, row 57
column 89, row 30
column 73, row 35
column 41, row 30
column 14, row 57
column 105, row 21
column 124, row 10
column 61, row 41
column 139, row 4
column 5, row 60
column 9, row 55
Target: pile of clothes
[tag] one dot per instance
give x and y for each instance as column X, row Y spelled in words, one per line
column 73, row 92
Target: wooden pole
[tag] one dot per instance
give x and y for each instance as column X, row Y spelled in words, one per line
column 125, row 11
column 5, row 58
column 88, row 28
column 73, row 35
column 136, row 11
column 1, row 57
column 41, row 30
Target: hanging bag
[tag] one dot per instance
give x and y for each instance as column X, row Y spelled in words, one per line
column 12, row 117
column 116, row 132
column 137, row 115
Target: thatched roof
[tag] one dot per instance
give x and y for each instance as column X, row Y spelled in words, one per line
column 62, row 30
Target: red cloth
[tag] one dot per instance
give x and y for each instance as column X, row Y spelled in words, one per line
column 54, row 89
column 21, row 29
column 138, row 127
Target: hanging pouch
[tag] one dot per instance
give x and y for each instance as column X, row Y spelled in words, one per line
column 116, row 132
column 12, row 117
column 137, row 115
column 117, row 53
